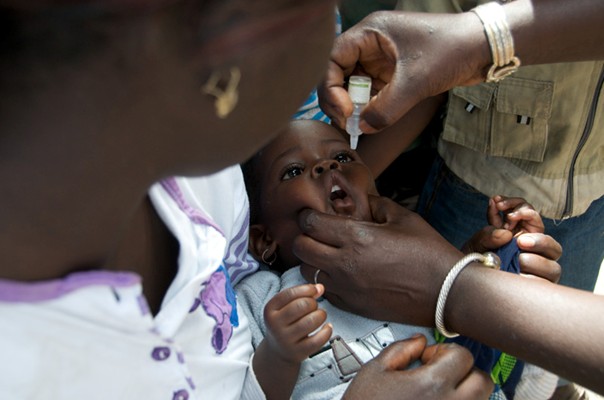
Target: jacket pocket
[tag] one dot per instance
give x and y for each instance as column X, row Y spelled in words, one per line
column 505, row 120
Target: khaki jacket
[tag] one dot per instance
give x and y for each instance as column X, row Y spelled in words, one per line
column 538, row 134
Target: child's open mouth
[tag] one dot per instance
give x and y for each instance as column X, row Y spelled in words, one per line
column 337, row 193
column 341, row 202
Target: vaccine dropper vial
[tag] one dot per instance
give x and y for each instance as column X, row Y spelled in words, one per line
column 359, row 90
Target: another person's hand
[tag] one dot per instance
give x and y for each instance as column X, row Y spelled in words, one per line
column 291, row 316
column 447, row 373
column 391, row 269
column 409, row 57
column 513, row 216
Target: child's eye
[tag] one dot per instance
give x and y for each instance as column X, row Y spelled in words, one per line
column 343, row 157
column 291, row 172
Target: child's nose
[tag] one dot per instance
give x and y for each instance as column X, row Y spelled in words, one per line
column 323, row 166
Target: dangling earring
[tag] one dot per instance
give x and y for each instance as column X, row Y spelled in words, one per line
column 272, row 260
column 226, row 93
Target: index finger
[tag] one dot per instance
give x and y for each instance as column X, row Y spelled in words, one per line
column 540, row 243
column 288, row 295
column 385, row 210
column 455, row 364
column 332, row 230
column 386, row 107
column 333, row 98
column 448, row 359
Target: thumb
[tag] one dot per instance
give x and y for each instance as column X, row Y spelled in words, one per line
column 488, row 238
column 384, row 109
column 385, row 210
column 400, row 354
column 495, row 238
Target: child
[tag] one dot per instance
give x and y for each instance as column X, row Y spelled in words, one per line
column 310, row 165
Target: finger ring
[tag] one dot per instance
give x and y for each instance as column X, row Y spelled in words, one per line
column 316, row 276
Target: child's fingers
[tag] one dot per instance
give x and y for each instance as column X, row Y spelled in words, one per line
column 542, row 267
column 286, row 296
column 292, row 312
column 504, row 204
column 290, row 305
column 530, row 218
column 320, row 290
column 307, row 324
column 312, row 344
column 538, row 243
column 487, row 239
column 493, row 215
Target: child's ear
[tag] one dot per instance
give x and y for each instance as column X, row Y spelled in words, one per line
column 262, row 246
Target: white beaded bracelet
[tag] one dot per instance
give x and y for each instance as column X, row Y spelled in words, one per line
column 489, row 259
column 500, row 40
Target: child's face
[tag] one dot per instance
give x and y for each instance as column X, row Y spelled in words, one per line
column 310, row 166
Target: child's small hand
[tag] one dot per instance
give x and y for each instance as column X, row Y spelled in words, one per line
column 514, row 214
column 291, row 316
column 507, row 217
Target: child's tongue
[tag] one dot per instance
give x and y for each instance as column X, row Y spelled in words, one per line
column 340, row 201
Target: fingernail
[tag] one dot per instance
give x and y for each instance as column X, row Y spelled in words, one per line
column 526, row 241
column 365, row 127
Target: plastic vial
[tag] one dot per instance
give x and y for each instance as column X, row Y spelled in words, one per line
column 359, row 90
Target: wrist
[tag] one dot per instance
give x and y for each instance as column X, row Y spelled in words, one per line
column 489, row 260
column 276, row 375
column 477, row 58
column 501, row 43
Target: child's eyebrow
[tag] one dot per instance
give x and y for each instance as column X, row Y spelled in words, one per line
column 286, row 153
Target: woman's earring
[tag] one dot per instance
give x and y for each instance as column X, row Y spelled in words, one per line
column 272, row 260
column 224, row 89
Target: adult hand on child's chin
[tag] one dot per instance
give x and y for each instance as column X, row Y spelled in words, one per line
column 447, row 373
column 390, row 269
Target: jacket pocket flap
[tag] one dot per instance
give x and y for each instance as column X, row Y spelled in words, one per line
column 479, row 95
column 525, row 97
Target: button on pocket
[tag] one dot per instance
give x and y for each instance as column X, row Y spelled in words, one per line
column 520, row 119
column 505, row 120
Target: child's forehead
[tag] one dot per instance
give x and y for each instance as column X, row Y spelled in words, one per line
column 308, row 132
column 299, row 136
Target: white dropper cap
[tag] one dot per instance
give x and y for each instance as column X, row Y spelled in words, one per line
column 359, row 90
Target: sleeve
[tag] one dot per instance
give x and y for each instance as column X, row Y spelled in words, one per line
column 253, row 293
